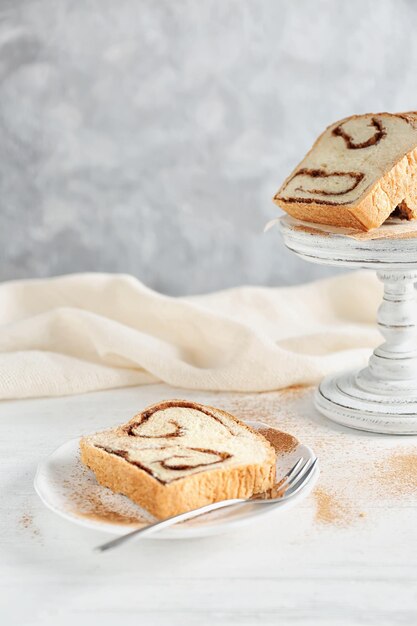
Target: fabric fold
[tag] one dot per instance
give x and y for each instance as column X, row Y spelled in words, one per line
column 87, row 332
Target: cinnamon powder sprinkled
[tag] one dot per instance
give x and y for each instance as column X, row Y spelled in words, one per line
column 331, row 509
column 26, row 522
column 295, row 389
column 397, row 474
column 89, row 500
column 92, row 507
column 282, row 442
column 278, row 409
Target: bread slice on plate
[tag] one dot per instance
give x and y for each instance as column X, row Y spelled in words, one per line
column 358, row 172
column 177, row 455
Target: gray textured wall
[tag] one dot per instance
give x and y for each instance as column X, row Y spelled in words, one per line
column 148, row 136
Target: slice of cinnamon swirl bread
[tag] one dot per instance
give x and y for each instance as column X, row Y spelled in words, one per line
column 359, row 171
column 178, row 455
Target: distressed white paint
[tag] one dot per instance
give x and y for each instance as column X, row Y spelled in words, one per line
column 383, row 396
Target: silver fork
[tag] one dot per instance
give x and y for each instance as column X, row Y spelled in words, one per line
column 291, row 483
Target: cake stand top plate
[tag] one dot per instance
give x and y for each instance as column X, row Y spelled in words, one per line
column 386, row 248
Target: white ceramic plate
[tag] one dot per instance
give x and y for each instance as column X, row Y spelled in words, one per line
column 62, row 483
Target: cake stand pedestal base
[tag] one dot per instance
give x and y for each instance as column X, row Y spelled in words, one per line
column 382, row 397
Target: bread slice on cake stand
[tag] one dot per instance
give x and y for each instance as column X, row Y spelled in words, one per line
column 356, row 173
column 353, row 203
column 382, row 397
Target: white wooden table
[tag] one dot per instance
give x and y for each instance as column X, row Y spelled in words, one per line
column 347, row 555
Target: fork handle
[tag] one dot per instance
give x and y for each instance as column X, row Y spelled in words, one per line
column 169, row 521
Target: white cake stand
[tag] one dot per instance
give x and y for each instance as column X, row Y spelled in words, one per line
column 382, row 397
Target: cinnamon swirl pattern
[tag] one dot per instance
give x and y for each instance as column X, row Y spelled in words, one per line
column 318, row 182
column 364, row 164
column 378, row 132
column 177, row 438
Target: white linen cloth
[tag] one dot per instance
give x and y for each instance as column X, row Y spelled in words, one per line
column 86, row 332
